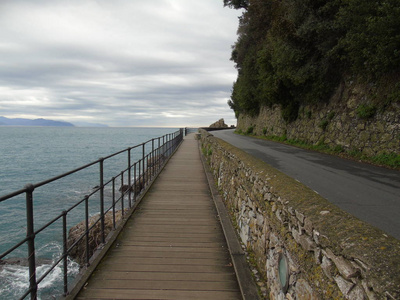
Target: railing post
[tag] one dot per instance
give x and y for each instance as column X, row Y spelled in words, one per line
column 103, row 238
column 171, row 135
column 163, row 146
column 65, row 254
column 153, row 159
column 113, row 201
column 167, row 144
column 147, row 168
column 143, row 164
column 129, row 178
column 122, row 193
column 160, row 155
column 140, row 176
column 30, row 234
column 134, row 182
column 87, row 230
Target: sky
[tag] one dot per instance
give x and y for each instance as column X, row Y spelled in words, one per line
column 120, row 63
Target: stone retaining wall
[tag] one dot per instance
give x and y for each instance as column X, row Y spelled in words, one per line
column 337, row 123
column 330, row 254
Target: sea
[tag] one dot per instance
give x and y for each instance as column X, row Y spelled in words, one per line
column 35, row 154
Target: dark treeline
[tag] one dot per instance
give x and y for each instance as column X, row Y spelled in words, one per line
column 293, row 52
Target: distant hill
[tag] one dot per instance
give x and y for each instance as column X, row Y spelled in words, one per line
column 35, row 122
column 87, row 124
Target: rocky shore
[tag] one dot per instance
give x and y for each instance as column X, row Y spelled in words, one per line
column 78, row 253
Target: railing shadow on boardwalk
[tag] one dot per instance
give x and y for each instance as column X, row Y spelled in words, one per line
column 126, row 190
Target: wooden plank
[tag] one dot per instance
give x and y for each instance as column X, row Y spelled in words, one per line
column 151, row 254
column 178, row 229
column 165, row 238
column 168, row 261
column 174, row 244
column 159, row 294
column 164, row 285
column 155, row 248
column 165, row 268
column 197, row 277
column 174, row 215
column 165, row 220
column 199, row 235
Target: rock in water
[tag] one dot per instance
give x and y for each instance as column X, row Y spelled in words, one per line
column 78, row 253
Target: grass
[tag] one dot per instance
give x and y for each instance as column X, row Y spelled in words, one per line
column 391, row 160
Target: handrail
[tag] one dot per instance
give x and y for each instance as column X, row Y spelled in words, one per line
column 143, row 170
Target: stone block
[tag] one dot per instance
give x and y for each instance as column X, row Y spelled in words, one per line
column 343, row 266
column 291, row 210
column 308, row 227
column 267, row 197
column 357, row 293
column 260, row 220
column 327, row 267
column 278, row 214
column 317, row 255
column 307, row 243
column 304, row 291
column 273, row 240
column 344, row 285
column 368, row 290
column 299, row 216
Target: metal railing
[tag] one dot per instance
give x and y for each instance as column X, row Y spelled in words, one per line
column 133, row 181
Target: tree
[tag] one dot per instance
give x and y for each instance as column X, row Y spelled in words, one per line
column 237, row 4
column 296, row 52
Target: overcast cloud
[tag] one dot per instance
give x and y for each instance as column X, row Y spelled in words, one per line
column 121, row 62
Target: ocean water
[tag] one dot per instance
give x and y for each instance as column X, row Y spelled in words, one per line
column 35, row 154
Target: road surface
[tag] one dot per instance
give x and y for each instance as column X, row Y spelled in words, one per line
column 370, row 193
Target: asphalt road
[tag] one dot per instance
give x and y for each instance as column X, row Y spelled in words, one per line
column 370, row 193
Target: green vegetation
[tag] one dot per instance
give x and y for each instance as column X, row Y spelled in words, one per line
column 265, row 130
column 365, row 111
column 323, row 124
column 297, row 52
column 207, row 151
column 250, row 130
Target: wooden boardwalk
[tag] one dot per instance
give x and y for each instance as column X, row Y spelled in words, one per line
column 173, row 247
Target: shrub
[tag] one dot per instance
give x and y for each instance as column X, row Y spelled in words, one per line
column 323, row 124
column 290, row 111
column 366, row 111
column 250, row 130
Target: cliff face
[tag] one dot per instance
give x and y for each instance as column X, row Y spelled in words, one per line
column 349, row 121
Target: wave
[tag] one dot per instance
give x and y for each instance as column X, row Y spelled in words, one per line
column 14, row 278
